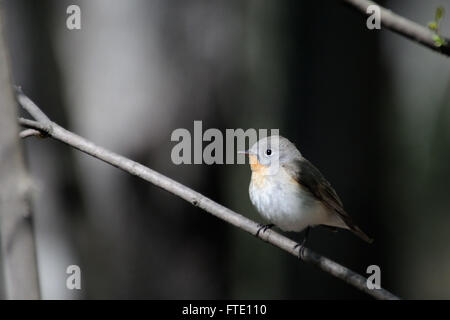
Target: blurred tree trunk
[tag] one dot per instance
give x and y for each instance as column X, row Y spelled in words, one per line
column 58, row 207
column 17, row 239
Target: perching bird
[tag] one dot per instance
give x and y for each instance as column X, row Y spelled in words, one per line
column 291, row 193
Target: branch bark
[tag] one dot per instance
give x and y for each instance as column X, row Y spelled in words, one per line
column 18, row 255
column 28, row 133
column 53, row 130
column 403, row 26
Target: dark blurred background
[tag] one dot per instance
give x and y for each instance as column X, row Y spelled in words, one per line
column 369, row 108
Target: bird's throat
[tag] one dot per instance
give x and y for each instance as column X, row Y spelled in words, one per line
column 259, row 172
column 256, row 166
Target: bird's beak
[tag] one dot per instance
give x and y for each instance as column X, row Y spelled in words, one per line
column 246, row 152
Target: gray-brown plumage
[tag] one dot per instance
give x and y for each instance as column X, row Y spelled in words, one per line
column 290, row 192
column 307, row 175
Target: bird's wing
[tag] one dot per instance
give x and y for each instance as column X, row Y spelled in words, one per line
column 307, row 175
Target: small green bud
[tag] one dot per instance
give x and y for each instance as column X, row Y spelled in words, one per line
column 432, row 25
column 438, row 41
column 440, row 11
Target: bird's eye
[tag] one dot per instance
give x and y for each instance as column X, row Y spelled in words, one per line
column 268, row 152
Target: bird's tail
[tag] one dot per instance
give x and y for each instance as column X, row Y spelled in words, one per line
column 344, row 221
column 358, row 232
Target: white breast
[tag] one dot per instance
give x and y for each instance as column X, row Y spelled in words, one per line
column 285, row 204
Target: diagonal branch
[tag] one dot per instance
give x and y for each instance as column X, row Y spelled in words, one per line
column 403, row 26
column 55, row 131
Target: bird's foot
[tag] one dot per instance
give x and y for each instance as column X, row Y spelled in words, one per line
column 301, row 251
column 264, row 227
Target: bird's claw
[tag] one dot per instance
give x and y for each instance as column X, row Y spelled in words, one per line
column 301, row 251
column 264, row 227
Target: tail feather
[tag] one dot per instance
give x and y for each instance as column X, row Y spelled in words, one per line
column 358, row 232
column 348, row 223
column 354, row 229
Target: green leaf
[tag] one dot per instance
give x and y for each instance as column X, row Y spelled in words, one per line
column 438, row 41
column 440, row 11
column 432, row 25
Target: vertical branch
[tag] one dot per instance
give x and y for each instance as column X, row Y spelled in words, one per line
column 18, row 255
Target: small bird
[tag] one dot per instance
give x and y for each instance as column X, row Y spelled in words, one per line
column 291, row 193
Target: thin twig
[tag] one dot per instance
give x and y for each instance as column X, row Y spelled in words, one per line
column 31, row 107
column 403, row 26
column 43, row 128
column 29, row 132
column 59, row 133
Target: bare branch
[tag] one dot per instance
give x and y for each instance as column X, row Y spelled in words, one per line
column 28, row 133
column 30, row 107
column 43, row 128
column 403, row 26
column 58, row 133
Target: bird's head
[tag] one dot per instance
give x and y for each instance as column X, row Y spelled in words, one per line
column 269, row 153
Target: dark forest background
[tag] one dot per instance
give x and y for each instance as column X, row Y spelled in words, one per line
column 369, row 108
